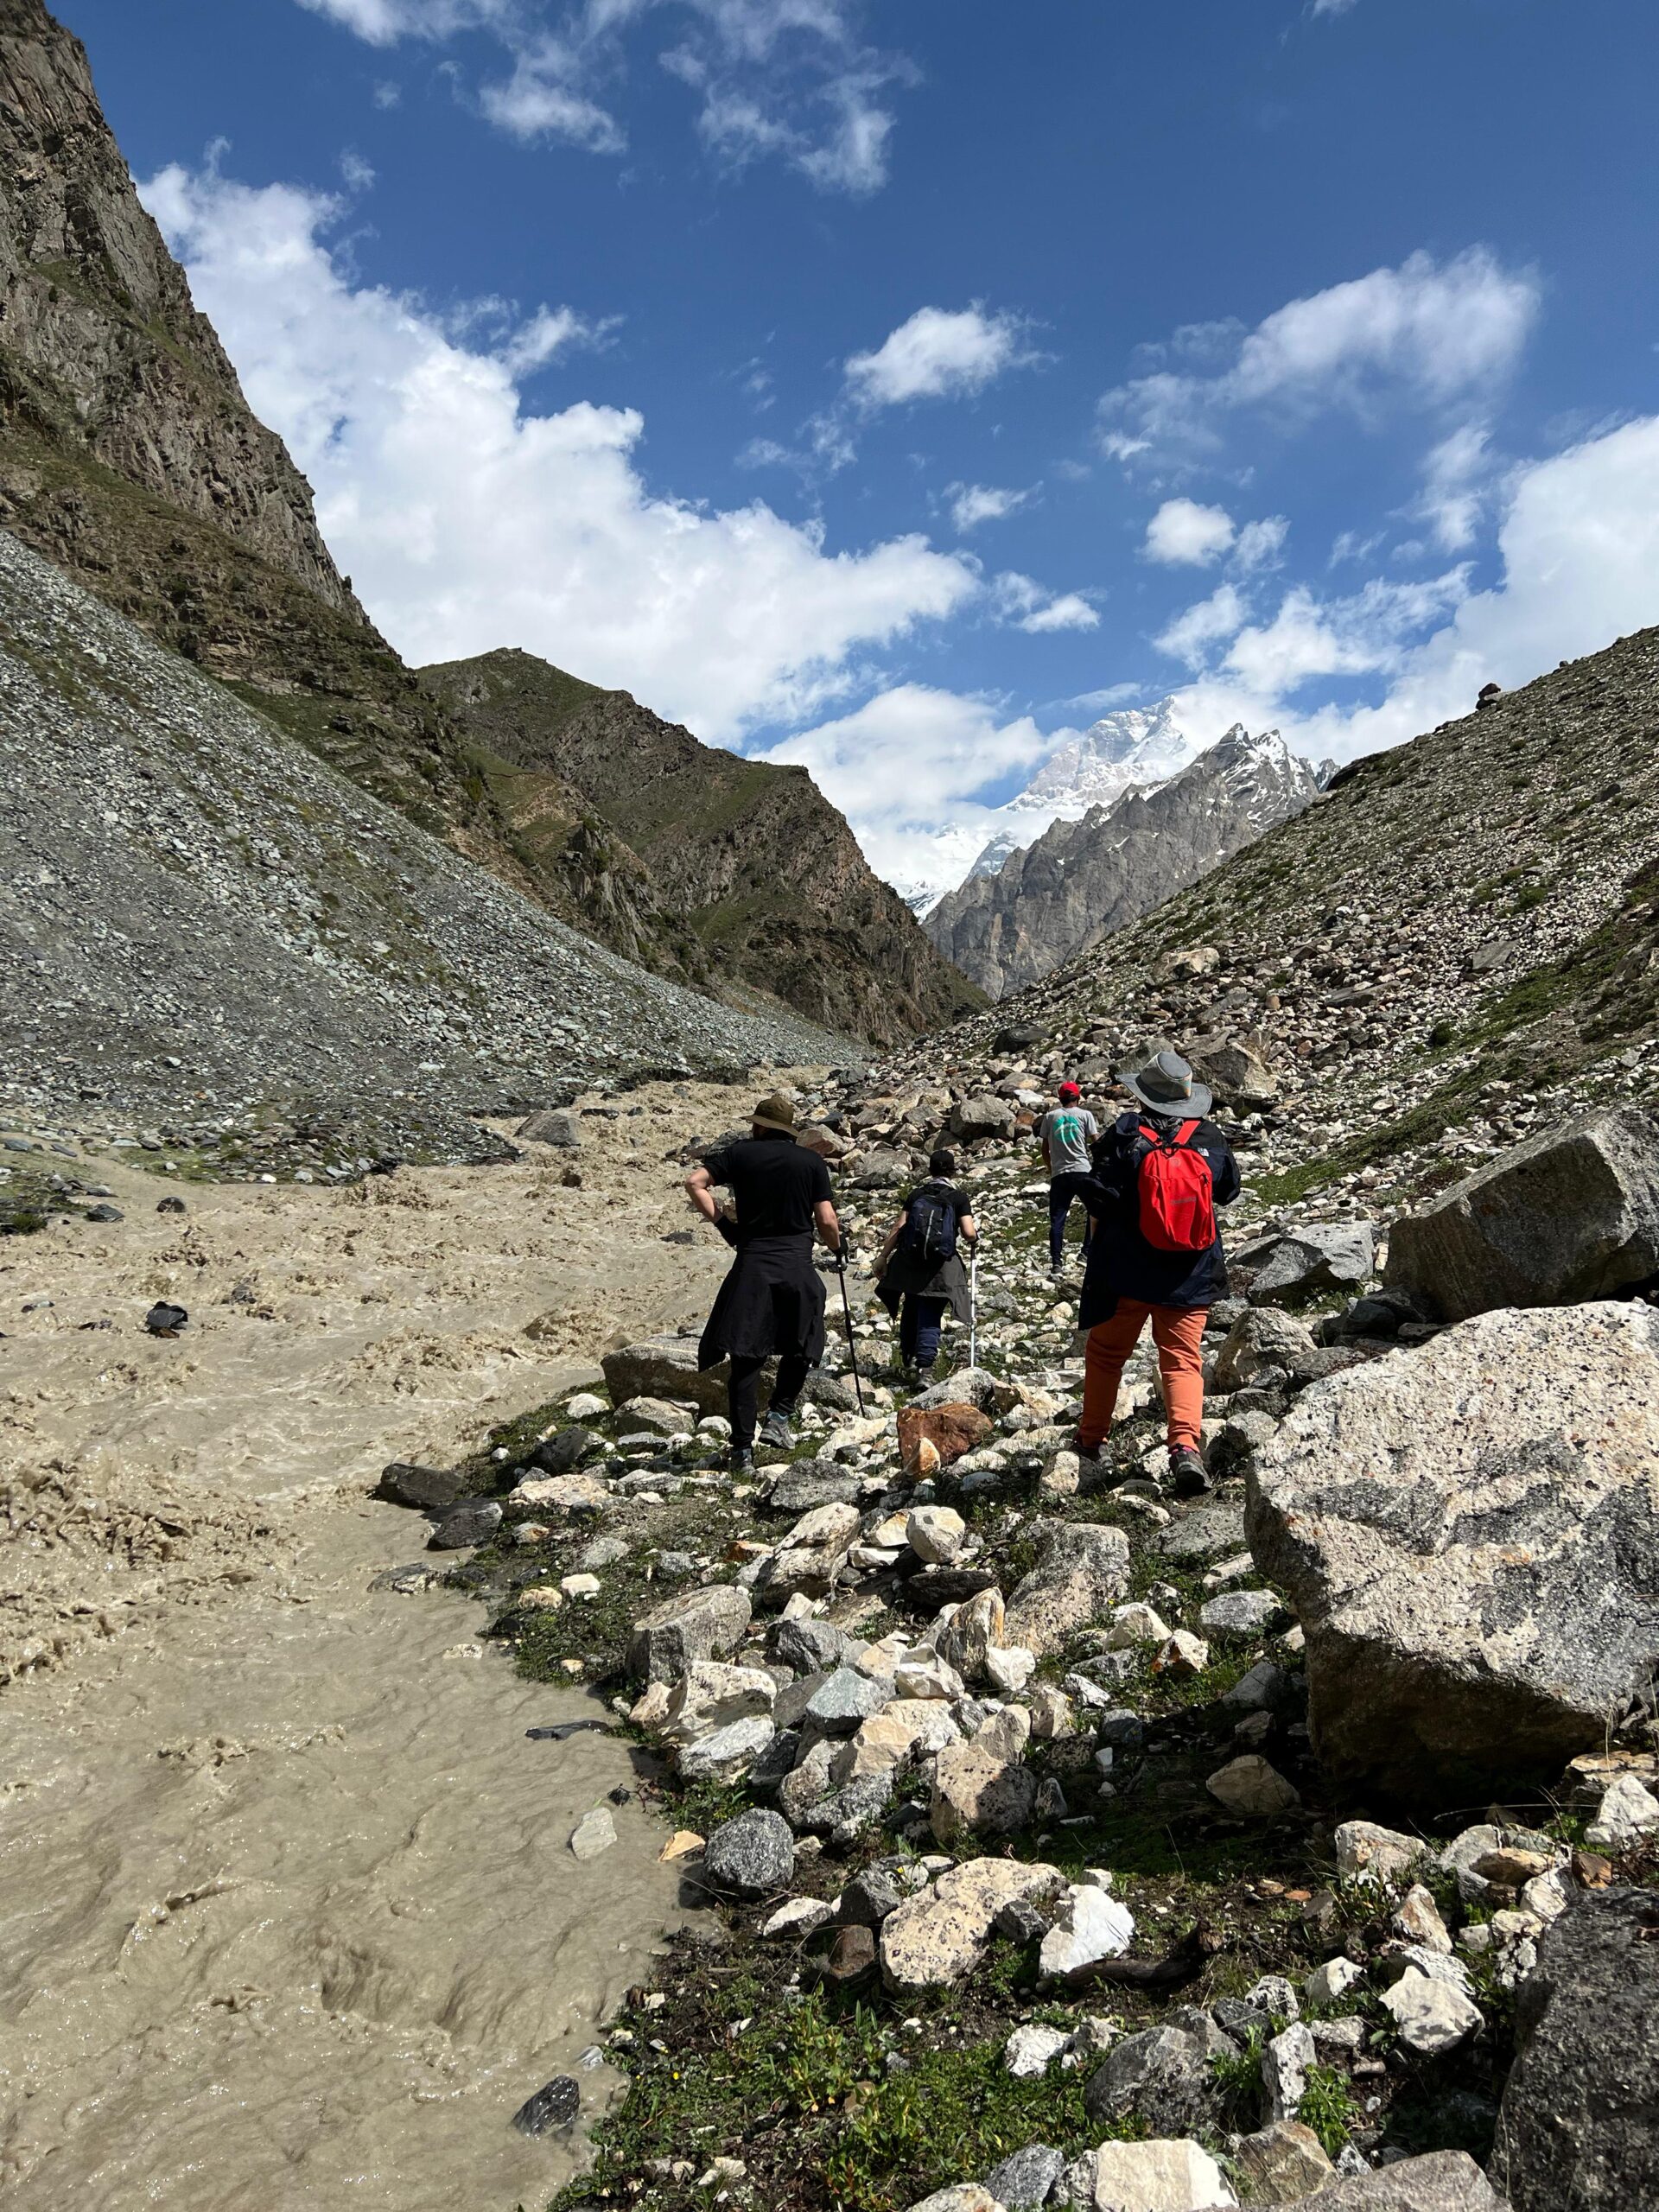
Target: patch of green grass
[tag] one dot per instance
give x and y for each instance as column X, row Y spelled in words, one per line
column 1329, row 2108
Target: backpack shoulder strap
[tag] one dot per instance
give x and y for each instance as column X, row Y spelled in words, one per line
column 1187, row 1131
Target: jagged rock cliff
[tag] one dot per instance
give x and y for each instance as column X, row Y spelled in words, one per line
column 1080, row 881
column 752, row 858
column 129, row 458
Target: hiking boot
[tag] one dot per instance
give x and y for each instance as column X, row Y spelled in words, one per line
column 1089, row 1454
column 775, row 1431
column 740, row 1460
column 1188, row 1475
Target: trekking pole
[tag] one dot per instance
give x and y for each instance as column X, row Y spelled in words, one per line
column 847, row 1311
column 973, row 1308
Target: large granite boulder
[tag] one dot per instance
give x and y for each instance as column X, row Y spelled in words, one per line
column 1444, row 2181
column 1082, row 1570
column 666, row 1367
column 698, row 1625
column 1568, row 1216
column 1294, row 1263
column 1470, row 1534
column 1579, row 2129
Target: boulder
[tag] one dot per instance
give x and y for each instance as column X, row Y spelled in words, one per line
column 935, row 1533
column 984, row 1115
column 1248, row 1614
column 844, row 1701
column 1445, row 2181
column 728, row 1753
column 1259, row 1339
column 709, row 1695
column 575, row 1493
column 473, row 1522
column 965, row 1641
column 567, row 1448
column 752, row 1856
column 426, row 1488
column 1470, row 1534
column 979, row 1794
column 1082, row 1571
column 810, row 1482
column 952, row 1429
column 1250, row 1786
column 936, row 1938
column 554, row 1125
column 810, row 1647
column 656, row 1413
column 1312, row 1257
column 810, row 1556
column 1579, row 2127
column 697, row 1624
column 1239, row 1077
column 666, row 1367
column 1091, row 1924
column 1160, row 2175
column 1284, row 2161
column 971, row 1386
column 1431, row 2015
column 1026, row 2180
column 1569, row 1215
column 1163, row 2076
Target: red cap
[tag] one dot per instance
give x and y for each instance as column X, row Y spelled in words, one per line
column 1069, row 1091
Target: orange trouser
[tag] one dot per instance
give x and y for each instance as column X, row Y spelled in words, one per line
column 1177, row 1331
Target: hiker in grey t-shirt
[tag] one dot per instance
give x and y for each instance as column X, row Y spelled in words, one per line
column 1066, row 1131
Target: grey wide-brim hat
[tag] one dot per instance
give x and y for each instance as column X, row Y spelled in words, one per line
column 1167, row 1085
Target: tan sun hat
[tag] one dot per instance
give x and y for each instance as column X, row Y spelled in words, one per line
column 774, row 1112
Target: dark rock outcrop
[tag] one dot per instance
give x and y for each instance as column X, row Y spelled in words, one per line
column 749, row 858
column 1572, row 1215
column 1579, row 2127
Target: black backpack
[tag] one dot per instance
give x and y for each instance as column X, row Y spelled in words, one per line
column 931, row 1225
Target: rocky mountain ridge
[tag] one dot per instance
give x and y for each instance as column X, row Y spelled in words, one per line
column 129, row 458
column 749, row 858
column 1010, row 924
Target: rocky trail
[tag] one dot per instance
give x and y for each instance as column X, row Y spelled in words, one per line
column 1077, row 1844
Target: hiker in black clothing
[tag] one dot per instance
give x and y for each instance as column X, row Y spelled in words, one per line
column 1131, row 1279
column 920, row 1265
column 773, row 1300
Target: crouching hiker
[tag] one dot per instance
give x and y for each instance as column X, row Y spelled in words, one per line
column 1159, row 1174
column 771, row 1302
column 920, row 1264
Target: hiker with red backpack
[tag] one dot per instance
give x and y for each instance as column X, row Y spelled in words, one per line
column 920, row 1266
column 1159, row 1174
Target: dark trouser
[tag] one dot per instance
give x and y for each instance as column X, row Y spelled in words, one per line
column 741, row 1393
column 1061, row 1191
column 920, row 1319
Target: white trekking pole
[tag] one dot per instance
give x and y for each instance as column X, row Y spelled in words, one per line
column 973, row 1309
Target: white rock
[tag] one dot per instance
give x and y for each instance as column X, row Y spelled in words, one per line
column 1032, row 2051
column 1377, row 1854
column 1329, row 1984
column 585, row 1406
column 1627, row 1813
column 798, row 1916
column 1160, row 2175
column 710, row 1694
column 1431, row 2016
column 1008, row 1667
column 935, row 1533
column 1284, row 2071
column 594, row 1833
column 1418, row 1919
column 1251, row 1785
column 1132, row 1624
column 922, row 1673
column 1091, row 1925
column 1182, row 1653
column 579, row 1586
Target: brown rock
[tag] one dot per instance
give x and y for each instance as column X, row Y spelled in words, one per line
column 952, row 1430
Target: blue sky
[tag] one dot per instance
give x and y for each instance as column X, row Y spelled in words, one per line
column 897, row 387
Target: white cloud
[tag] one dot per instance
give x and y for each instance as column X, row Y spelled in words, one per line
column 1260, row 544
column 784, row 77
column 1579, row 546
column 1025, row 603
column 938, row 353
column 1191, row 635
column 1182, row 534
column 1455, row 486
column 915, row 763
column 1071, row 611
column 1332, row 7
column 468, row 522
column 973, row 504
column 1427, row 333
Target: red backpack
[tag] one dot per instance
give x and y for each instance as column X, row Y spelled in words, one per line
column 1177, row 1193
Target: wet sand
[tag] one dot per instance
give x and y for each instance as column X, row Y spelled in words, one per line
column 288, row 1917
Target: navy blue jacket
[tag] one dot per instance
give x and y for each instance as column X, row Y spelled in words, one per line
column 1121, row 1264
